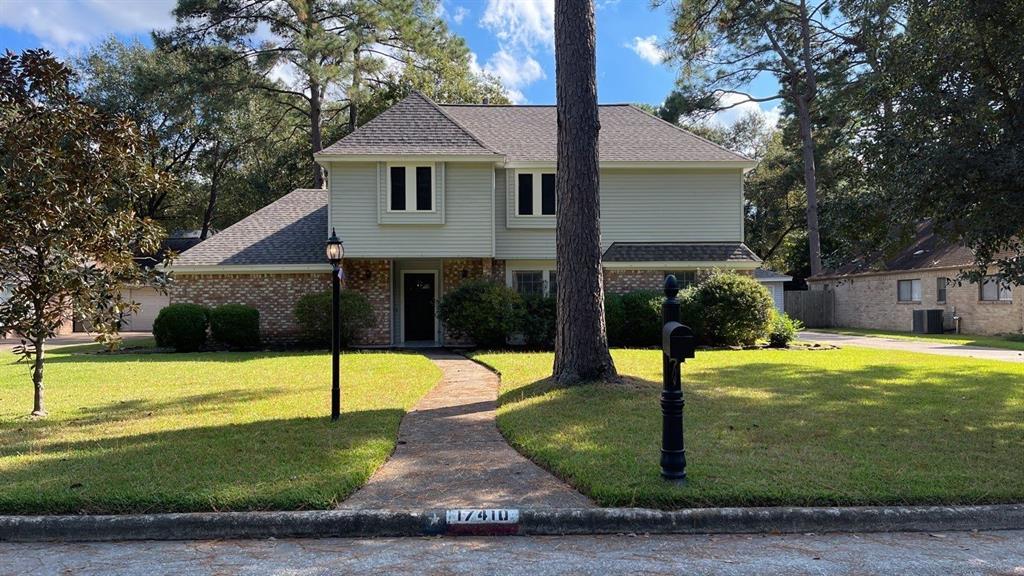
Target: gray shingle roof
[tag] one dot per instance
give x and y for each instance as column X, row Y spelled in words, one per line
column 413, row 126
column 771, row 275
column 628, row 134
column 291, row 230
column 679, row 252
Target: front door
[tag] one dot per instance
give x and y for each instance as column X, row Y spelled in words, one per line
column 418, row 305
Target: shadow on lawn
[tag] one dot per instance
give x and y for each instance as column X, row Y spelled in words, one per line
column 784, row 433
column 280, row 464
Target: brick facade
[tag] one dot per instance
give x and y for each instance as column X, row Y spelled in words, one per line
column 619, row 281
column 870, row 301
column 274, row 295
column 372, row 278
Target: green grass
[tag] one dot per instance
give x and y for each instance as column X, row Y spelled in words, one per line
column 779, row 427
column 194, row 432
column 1007, row 342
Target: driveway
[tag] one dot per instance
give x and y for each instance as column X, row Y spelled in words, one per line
column 71, row 339
column 924, row 346
column 921, row 554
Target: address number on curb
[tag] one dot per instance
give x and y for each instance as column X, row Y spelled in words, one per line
column 485, row 516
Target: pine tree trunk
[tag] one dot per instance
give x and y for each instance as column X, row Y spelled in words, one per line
column 581, row 341
column 315, row 131
column 353, row 104
column 38, row 409
column 811, row 184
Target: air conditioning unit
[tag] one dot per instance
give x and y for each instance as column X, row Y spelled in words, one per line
column 928, row 321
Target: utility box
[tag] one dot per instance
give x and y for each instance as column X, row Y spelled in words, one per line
column 928, row 321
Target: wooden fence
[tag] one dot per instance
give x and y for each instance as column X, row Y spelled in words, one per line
column 815, row 308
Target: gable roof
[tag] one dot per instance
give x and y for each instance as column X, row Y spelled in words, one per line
column 413, row 126
column 734, row 252
column 628, row 134
column 417, row 125
column 291, row 230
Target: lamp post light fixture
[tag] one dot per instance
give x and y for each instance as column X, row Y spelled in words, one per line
column 335, row 254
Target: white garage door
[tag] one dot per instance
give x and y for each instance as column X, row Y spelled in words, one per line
column 150, row 302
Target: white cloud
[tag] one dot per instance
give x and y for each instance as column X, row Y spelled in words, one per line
column 67, row 24
column 460, row 14
column 524, row 24
column 648, row 49
column 522, row 28
column 730, row 116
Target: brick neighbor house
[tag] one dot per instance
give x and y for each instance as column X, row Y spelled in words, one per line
column 428, row 196
column 881, row 294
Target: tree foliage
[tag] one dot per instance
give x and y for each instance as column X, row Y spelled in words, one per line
column 70, row 179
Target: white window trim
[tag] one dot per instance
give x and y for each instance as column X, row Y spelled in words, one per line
column 544, row 267
column 538, row 194
column 410, row 187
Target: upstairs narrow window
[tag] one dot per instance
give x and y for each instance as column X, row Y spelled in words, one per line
column 411, row 188
column 525, row 196
column 398, row 187
column 424, row 187
column 535, row 194
column 547, row 195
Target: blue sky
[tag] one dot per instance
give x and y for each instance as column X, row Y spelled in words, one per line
column 511, row 39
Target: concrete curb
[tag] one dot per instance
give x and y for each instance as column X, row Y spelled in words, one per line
column 384, row 523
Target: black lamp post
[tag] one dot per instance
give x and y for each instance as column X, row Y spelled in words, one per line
column 335, row 252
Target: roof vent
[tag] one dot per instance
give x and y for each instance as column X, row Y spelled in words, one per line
column 487, row 100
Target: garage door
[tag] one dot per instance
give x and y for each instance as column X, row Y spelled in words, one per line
column 150, row 302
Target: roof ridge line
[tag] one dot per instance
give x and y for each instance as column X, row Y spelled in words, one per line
column 456, row 122
column 685, row 131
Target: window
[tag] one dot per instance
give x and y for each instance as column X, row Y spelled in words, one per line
column 529, row 282
column 534, row 282
column 411, row 188
column 686, row 278
column 535, row 191
column 908, row 290
column 940, row 289
column 994, row 289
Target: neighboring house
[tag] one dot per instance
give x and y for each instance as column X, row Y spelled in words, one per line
column 775, row 283
column 428, row 196
column 873, row 292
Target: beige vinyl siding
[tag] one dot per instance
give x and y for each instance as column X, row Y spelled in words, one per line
column 641, row 205
column 466, row 213
column 516, row 243
column 384, row 216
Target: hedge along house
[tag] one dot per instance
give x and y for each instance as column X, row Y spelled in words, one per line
column 880, row 293
column 428, row 196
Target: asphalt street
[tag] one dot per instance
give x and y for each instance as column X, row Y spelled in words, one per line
column 949, row 553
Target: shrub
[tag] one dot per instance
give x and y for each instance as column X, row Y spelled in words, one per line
column 614, row 319
column 734, row 309
column 236, row 326
column 181, row 327
column 537, row 322
column 483, row 311
column 783, row 330
column 642, row 318
column 313, row 314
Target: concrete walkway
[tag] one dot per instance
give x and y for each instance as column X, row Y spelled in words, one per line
column 73, row 339
column 451, row 455
column 924, row 346
column 920, row 554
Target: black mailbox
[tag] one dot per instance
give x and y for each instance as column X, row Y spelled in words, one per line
column 677, row 341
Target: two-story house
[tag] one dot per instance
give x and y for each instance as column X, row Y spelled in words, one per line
column 426, row 196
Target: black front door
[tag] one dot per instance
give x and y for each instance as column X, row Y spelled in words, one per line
column 419, row 307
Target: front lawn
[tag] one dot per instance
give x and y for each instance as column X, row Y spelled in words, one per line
column 779, row 427
column 191, row 432
column 1007, row 342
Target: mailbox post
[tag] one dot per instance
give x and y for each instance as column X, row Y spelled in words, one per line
column 677, row 343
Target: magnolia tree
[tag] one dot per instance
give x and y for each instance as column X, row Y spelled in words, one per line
column 69, row 177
